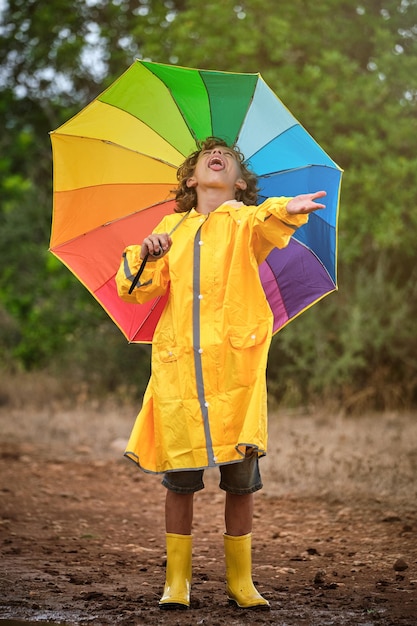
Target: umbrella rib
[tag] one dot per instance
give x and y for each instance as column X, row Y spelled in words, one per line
column 148, row 208
column 296, row 169
column 247, row 109
column 297, row 123
column 145, row 319
column 271, row 140
column 149, row 126
column 117, row 145
column 276, row 282
column 318, row 259
column 148, row 156
column 191, row 130
column 319, row 298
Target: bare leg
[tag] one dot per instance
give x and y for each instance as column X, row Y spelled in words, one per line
column 238, row 514
column 179, row 512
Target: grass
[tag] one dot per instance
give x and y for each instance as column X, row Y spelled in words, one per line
column 320, row 452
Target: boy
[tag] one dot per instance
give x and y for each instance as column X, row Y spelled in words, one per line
column 205, row 404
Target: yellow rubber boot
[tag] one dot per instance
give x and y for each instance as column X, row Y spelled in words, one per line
column 239, row 586
column 178, row 572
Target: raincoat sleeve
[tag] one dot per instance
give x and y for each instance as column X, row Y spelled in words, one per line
column 273, row 227
column 154, row 279
column 152, row 283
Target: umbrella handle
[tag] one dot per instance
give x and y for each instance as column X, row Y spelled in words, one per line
column 138, row 274
column 142, row 265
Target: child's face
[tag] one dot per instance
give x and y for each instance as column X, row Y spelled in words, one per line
column 217, row 167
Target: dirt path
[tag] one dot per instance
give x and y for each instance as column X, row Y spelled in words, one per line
column 82, row 541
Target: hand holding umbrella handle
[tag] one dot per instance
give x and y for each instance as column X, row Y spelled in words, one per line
column 162, row 241
column 155, row 254
column 138, row 274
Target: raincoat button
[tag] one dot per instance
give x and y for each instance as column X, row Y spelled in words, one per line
column 200, row 243
column 201, row 350
column 253, row 336
column 200, row 297
column 206, row 404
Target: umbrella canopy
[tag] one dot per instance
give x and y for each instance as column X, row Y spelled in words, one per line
column 115, row 167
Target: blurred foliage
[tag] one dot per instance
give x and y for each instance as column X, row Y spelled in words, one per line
column 347, row 70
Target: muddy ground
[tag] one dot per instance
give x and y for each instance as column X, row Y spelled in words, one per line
column 335, row 532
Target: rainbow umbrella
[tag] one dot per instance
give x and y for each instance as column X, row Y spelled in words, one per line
column 115, row 167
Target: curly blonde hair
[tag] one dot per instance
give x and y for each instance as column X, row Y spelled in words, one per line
column 186, row 197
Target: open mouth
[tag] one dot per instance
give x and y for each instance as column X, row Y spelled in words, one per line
column 216, row 163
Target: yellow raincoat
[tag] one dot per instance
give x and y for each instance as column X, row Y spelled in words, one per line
column 206, row 398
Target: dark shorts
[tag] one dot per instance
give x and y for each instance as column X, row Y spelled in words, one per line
column 238, row 478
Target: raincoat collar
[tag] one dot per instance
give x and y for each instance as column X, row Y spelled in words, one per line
column 227, row 207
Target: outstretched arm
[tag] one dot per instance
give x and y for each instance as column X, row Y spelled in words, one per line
column 305, row 203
